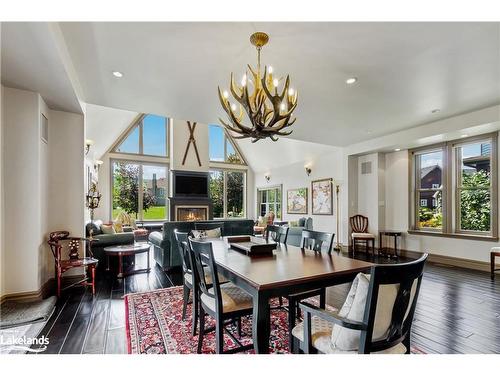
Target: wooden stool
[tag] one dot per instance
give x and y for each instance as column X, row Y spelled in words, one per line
column 495, row 252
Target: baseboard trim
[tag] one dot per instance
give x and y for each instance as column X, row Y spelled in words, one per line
column 46, row 290
column 450, row 261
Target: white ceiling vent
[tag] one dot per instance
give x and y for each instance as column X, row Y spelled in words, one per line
column 366, row 167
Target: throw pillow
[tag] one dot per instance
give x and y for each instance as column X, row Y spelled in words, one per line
column 96, row 229
column 293, row 224
column 354, row 309
column 118, row 227
column 210, row 233
column 107, row 229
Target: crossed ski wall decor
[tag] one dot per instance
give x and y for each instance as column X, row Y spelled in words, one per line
column 192, row 128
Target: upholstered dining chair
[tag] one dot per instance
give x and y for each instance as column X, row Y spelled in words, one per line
column 312, row 240
column 189, row 284
column 222, row 302
column 359, row 233
column 277, row 233
column 376, row 317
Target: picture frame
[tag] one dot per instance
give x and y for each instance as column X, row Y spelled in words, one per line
column 297, row 201
column 322, row 196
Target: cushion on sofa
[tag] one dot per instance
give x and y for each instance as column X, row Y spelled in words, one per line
column 95, row 226
column 113, row 239
column 302, row 222
column 108, row 229
column 209, row 233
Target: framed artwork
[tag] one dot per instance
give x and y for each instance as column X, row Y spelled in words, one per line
column 296, row 201
column 322, row 197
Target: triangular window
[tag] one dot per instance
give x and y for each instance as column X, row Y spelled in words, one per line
column 146, row 136
column 222, row 148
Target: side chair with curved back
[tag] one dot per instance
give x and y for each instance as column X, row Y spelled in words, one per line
column 359, row 233
column 221, row 301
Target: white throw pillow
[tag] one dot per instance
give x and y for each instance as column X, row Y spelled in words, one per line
column 209, row 233
column 354, row 309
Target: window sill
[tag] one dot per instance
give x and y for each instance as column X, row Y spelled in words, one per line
column 454, row 235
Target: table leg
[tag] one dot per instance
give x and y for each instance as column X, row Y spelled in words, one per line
column 107, row 263
column 261, row 323
column 395, row 246
column 380, row 244
column 120, row 266
column 148, row 258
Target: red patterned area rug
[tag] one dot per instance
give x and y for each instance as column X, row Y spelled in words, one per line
column 154, row 325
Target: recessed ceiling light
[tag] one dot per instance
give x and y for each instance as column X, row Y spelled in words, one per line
column 397, row 149
column 118, row 74
column 437, row 110
column 351, row 80
column 464, row 135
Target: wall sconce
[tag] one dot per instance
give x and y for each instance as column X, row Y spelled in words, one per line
column 267, row 176
column 97, row 165
column 88, row 144
column 308, row 170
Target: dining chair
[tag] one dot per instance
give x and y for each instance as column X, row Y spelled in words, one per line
column 376, row 317
column 189, row 284
column 359, row 233
column 277, row 233
column 221, row 301
column 311, row 240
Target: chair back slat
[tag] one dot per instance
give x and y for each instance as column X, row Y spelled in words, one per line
column 277, row 233
column 359, row 224
column 203, row 256
column 409, row 278
column 182, row 239
column 314, row 240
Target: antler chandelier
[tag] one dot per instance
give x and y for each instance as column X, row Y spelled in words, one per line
column 269, row 111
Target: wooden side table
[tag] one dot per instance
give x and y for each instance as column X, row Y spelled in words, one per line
column 495, row 252
column 389, row 233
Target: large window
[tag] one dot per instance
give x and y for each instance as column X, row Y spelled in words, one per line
column 227, row 190
column 147, row 136
column 140, row 189
column 269, row 200
column 221, row 147
column 453, row 187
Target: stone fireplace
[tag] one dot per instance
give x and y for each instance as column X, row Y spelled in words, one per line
column 190, row 199
column 191, row 213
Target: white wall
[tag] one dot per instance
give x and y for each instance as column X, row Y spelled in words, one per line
column 368, row 191
column 179, row 137
column 21, row 168
column 294, row 176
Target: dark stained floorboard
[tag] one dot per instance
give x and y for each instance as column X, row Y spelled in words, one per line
column 458, row 311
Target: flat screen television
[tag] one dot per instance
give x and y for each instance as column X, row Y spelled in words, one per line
column 191, row 185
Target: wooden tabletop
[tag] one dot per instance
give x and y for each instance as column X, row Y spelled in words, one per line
column 288, row 265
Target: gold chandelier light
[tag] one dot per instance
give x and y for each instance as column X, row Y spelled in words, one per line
column 269, row 110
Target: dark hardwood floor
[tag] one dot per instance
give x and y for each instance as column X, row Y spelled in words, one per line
column 458, row 311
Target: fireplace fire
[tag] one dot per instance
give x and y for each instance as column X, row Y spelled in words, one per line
column 191, row 213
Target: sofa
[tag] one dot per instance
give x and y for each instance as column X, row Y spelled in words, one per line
column 295, row 232
column 104, row 240
column 165, row 248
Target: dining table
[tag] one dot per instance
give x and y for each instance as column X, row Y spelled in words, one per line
column 289, row 270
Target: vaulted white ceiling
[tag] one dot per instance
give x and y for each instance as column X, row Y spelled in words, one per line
column 405, row 70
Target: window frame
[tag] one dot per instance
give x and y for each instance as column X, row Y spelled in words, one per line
column 268, row 188
column 225, row 171
column 141, row 163
column 138, row 122
column 451, row 226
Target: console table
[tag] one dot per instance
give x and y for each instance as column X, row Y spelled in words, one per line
column 389, row 233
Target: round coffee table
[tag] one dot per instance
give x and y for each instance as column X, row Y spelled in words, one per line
column 126, row 250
